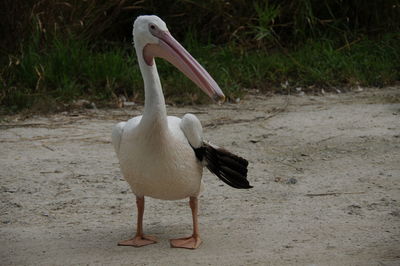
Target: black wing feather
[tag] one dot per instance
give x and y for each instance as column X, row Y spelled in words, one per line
column 229, row 167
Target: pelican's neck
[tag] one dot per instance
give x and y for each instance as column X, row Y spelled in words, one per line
column 155, row 113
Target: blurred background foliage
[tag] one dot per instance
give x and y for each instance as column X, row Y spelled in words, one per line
column 57, row 51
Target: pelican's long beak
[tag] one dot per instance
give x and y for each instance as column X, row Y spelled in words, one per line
column 172, row 51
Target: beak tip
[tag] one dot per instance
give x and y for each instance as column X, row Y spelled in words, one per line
column 219, row 98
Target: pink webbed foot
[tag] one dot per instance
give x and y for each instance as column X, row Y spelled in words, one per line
column 191, row 242
column 138, row 241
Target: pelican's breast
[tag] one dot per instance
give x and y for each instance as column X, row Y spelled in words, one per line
column 160, row 165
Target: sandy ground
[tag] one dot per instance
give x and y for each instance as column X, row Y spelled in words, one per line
column 325, row 170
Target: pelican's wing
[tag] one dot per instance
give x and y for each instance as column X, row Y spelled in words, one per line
column 119, row 128
column 191, row 127
column 230, row 168
column 117, row 135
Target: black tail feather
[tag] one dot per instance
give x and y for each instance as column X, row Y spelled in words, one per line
column 229, row 167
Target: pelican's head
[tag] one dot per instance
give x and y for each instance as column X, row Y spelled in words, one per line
column 152, row 39
column 144, row 27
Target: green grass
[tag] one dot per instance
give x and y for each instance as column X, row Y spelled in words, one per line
column 70, row 69
column 55, row 52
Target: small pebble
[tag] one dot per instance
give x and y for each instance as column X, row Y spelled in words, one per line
column 291, row 181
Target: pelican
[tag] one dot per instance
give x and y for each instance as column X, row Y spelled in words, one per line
column 163, row 156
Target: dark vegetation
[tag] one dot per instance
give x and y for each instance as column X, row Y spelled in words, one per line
column 53, row 52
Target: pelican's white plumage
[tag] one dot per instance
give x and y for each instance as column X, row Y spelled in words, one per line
column 161, row 156
column 160, row 162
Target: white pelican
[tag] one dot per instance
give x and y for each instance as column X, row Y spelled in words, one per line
column 163, row 156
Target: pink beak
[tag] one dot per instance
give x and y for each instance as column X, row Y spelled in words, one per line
column 172, row 51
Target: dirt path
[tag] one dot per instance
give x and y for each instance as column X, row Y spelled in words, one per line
column 326, row 176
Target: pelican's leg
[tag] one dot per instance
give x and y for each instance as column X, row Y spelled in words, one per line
column 193, row 241
column 139, row 239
